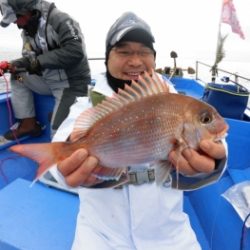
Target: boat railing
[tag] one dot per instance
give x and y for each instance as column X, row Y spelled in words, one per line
column 200, row 74
column 221, row 75
column 96, row 59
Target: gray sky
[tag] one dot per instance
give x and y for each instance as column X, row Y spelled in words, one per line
column 189, row 27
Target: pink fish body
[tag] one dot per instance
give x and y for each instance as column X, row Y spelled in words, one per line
column 140, row 124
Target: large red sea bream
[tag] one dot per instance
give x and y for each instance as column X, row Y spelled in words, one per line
column 140, row 124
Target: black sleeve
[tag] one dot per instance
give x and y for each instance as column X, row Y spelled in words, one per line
column 71, row 47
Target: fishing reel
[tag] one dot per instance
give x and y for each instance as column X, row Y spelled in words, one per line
column 4, row 67
column 7, row 67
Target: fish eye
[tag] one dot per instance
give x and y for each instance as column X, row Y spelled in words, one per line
column 205, row 118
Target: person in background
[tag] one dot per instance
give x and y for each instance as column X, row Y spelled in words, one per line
column 138, row 215
column 54, row 62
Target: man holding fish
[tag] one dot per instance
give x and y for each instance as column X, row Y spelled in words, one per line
column 146, row 216
column 143, row 208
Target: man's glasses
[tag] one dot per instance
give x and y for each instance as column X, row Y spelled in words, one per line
column 128, row 53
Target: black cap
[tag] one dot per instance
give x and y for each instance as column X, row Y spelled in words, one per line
column 9, row 16
column 129, row 27
column 9, row 9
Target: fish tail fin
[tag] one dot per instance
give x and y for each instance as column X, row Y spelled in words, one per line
column 162, row 172
column 45, row 154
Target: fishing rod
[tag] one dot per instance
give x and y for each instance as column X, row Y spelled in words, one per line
column 7, row 67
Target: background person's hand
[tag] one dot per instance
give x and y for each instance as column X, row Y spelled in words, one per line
column 78, row 168
column 25, row 64
column 191, row 162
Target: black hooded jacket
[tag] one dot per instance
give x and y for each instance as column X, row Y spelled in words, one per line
column 63, row 53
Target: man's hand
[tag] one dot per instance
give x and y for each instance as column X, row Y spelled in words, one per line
column 78, row 168
column 25, row 64
column 191, row 162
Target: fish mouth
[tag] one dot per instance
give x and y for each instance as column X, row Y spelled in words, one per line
column 222, row 135
column 221, row 129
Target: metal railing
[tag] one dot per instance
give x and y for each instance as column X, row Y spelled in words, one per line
column 237, row 78
column 96, row 59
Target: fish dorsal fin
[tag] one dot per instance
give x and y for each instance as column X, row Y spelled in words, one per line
column 146, row 86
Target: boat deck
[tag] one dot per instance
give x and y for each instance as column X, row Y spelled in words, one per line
column 37, row 217
column 42, row 217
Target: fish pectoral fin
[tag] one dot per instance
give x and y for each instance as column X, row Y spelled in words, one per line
column 180, row 143
column 162, row 171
